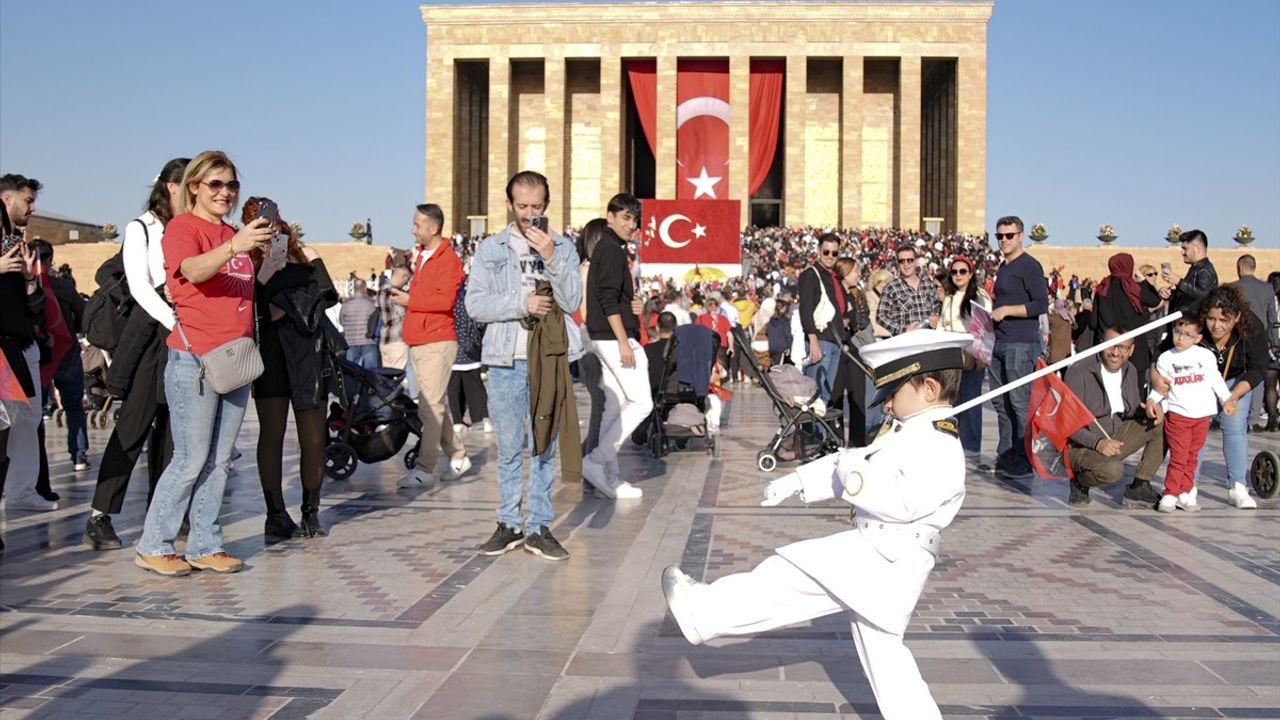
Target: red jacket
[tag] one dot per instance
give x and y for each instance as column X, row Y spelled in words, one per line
column 432, row 295
column 716, row 322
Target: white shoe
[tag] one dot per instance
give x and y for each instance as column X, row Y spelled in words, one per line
column 1187, row 501
column 675, row 588
column 486, row 426
column 458, row 468
column 1168, row 503
column 598, row 475
column 416, row 478
column 31, row 502
column 1239, row 496
column 459, row 428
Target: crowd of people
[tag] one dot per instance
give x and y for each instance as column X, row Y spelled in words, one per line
column 491, row 334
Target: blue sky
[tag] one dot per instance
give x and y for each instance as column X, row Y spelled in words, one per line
column 1139, row 113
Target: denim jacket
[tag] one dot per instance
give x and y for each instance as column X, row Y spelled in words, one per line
column 495, row 296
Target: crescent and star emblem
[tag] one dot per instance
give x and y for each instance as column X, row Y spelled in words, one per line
column 664, row 231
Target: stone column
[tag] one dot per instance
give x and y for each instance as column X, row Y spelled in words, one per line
column 908, row 191
column 665, row 158
column 611, row 119
column 971, row 143
column 439, row 153
column 740, row 134
column 554, row 97
column 793, row 140
column 499, row 133
column 851, row 143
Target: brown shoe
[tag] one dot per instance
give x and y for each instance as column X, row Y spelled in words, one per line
column 218, row 562
column 169, row 565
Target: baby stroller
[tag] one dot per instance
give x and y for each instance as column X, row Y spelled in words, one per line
column 372, row 419
column 679, row 411
column 814, row 428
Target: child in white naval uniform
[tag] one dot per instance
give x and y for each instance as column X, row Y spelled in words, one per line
column 906, row 487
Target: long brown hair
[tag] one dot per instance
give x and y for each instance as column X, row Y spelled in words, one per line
column 158, row 202
column 250, row 213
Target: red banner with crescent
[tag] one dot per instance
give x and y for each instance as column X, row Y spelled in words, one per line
column 687, row 231
column 702, row 129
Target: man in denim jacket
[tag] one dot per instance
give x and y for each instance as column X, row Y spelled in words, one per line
column 504, row 271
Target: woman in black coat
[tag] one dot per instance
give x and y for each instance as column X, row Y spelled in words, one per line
column 297, row 343
column 1122, row 302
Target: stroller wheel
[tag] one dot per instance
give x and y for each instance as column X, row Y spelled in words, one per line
column 1264, row 474
column 655, row 444
column 95, row 419
column 339, row 461
column 411, row 457
column 713, row 446
column 59, row 416
column 682, row 444
column 766, row 461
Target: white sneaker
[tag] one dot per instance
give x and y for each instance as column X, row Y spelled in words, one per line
column 598, row 475
column 459, row 428
column 31, row 502
column 458, row 468
column 1168, row 503
column 416, row 478
column 675, row 588
column 486, row 426
column 1187, row 501
column 1239, row 496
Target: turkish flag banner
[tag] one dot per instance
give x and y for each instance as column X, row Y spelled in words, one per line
column 689, row 231
column 702, row 129
column 1056, row 413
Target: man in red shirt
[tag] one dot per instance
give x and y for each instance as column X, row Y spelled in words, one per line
column 433, row 344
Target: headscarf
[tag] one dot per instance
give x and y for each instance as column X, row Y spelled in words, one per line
column 1061, row 310
column 1121, row 267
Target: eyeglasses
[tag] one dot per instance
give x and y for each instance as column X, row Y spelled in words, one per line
column 1007, row 236
column 960, row 271
column 1186, row 335
column 217, row 186
column 906, row 261
column 830, row 253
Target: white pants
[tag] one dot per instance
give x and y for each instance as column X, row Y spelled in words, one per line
column 627, row 398
column 24, row 421
column 776, row 594
column 714, row 407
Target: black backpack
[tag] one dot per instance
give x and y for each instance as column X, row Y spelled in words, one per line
column 108, row 309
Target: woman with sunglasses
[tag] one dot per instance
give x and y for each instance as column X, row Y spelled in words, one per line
column 1120, row 301
column 957, row 312
column 297, row 343
column 209, row 276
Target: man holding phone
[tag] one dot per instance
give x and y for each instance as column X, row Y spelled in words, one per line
column 1186, row 292
column 504, row 274
column 429, row 332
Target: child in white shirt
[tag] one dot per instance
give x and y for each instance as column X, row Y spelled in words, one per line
column 1195, row 387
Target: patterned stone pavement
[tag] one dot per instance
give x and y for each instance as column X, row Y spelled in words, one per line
column 1036, row 610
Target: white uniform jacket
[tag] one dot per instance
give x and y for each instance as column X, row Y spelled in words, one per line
column 912, row 487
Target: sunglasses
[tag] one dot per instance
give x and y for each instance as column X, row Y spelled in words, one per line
column 960, row 271
column 1150, row 274
column 906, row 261
column 217, row 186
column 830, row 253
column 1007, row 236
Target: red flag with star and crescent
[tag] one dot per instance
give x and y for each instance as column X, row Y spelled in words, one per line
column 1055, row 414
column 702, row 129
column 690, row 232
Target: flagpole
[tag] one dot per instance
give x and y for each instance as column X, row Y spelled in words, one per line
column 1070, row 360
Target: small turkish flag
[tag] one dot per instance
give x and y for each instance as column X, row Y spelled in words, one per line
column 1056, row 413
column 688, row 231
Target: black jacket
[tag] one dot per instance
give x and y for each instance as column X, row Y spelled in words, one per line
column 19, row 317
column 610, row 286
column 1194, row 288
column 810, row 294
column 299, row 347
column 1115, row 310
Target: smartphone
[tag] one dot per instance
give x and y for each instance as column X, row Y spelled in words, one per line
column 1166, row 267
column 268, row 211
column 540, row 222
column 7, row 242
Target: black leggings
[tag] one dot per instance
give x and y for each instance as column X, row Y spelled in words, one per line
column 466, row 392
column 273, row 415
column 1269, row 394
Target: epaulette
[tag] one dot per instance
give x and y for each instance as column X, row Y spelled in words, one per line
column 948, row 426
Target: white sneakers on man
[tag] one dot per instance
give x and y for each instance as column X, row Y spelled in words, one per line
column 1238, row 495
column 416, row 478
column 458, row 468
column 30, row 501
column 675, row 588
column 611, row 487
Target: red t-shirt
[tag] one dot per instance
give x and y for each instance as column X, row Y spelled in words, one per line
column 219, row 309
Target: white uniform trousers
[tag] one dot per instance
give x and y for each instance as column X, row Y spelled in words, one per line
column 776, row 594
column 627, row 398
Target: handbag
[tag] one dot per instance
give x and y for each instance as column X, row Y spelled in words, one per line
column 229, row 366
column 825, row 310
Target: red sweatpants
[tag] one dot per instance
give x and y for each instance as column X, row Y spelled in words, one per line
column 1184, row 436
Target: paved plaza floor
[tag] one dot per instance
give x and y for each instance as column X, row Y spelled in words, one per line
column 1034, row 610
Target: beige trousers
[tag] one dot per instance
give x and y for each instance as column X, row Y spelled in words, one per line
column 432, row 364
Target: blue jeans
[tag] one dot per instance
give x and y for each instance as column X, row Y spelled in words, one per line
column 971, row 420
column 69, row 379
column 1235, row 442
column 366, row 356
column 204, row 429
column 508, row 389
column 1010, row 361
column 824, row 372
